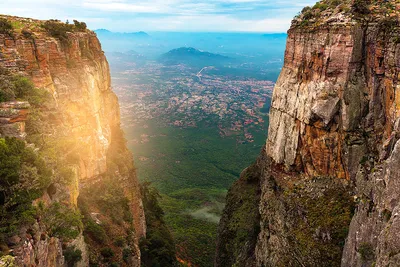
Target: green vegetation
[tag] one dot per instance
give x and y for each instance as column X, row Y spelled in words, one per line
column 192, row 168
column 80, row 26
column 59, row 30
column 320, row 216
column 95, row 231
column 5, row 26
column 107, row 228
column 309, row 15
column 366, row 251
column 360, row 7
column 241, row 221
column 158, row 248
column 27, row 173
column 120, row 241
column 107, row 253
column 23, row 178
column 8, row 261
column 17, row 87
column 72, row 256
column 62, row 221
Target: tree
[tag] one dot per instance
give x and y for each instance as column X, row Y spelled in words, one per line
column 72, row 256
column 5, row 26
column 81, row 26
column 360, row 7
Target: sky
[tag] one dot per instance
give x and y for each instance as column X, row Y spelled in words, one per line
column 165, row 15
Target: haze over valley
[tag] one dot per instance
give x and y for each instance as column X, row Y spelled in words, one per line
column 194, row 108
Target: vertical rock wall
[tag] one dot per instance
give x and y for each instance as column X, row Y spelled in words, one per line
column 75, row 71
column 329, row 181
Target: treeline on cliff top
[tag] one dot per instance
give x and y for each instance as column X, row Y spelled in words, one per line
column 55, row 28
column 357, row 9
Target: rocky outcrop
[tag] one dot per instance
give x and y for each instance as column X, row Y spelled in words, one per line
column 333, row 143
column 73, row 69
column 12, row 118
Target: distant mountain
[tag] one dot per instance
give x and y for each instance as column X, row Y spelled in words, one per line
column 102, row 33
column 117, row 58
column 275, row 35
column 192, row 56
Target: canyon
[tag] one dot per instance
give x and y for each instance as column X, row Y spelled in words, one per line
column 323, row 192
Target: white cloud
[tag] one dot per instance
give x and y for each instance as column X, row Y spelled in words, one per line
column 185, row 15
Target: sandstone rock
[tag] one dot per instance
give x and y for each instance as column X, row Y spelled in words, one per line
column 334, row 127
column 78, row 77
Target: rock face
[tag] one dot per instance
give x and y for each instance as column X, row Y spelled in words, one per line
column 76, row 73
column 329, row 171
column 12, row 118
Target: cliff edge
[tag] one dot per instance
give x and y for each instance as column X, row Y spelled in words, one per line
column 328, row 181
column 76, row 132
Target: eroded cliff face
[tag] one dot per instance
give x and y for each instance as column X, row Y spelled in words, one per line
column 332, row 148
column 85, row 112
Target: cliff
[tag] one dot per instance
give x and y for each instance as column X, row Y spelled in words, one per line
column 77, row 133
column 328, row 174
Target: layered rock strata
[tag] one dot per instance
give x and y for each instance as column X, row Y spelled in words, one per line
column 74, row 70
column 332, row 148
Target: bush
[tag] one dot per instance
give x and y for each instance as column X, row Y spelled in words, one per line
column 366, row 251
column 320, row 6
column 23, row 178
column 20, row 87
column 95, row 231
column 5, row 26
column 360, row 7
column 119, row 242
column 126, row 253
column 107, row 253
column 62, row 221
column 72, row 256
column 57, row 29
column 80, row 26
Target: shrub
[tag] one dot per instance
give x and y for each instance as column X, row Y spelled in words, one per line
column 388, row 24
column 20, row 87
column 320, row 6
column 8, row 261
column 107, row 253
column 305, row 9
column 360, row 7
column 81, row 26
column 126, row 253
column 95, row 231
column 72, row 256
column 23, row 178
column 119, row 242
column 57, row 29
column 62, row 221
column 5, row 26
column 366, row 251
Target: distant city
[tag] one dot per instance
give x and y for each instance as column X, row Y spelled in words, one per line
column 184, row 99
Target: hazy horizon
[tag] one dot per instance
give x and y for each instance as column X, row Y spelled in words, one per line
column 173, row 15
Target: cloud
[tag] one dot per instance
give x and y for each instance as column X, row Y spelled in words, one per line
column 206, row 215
column 158, row 15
